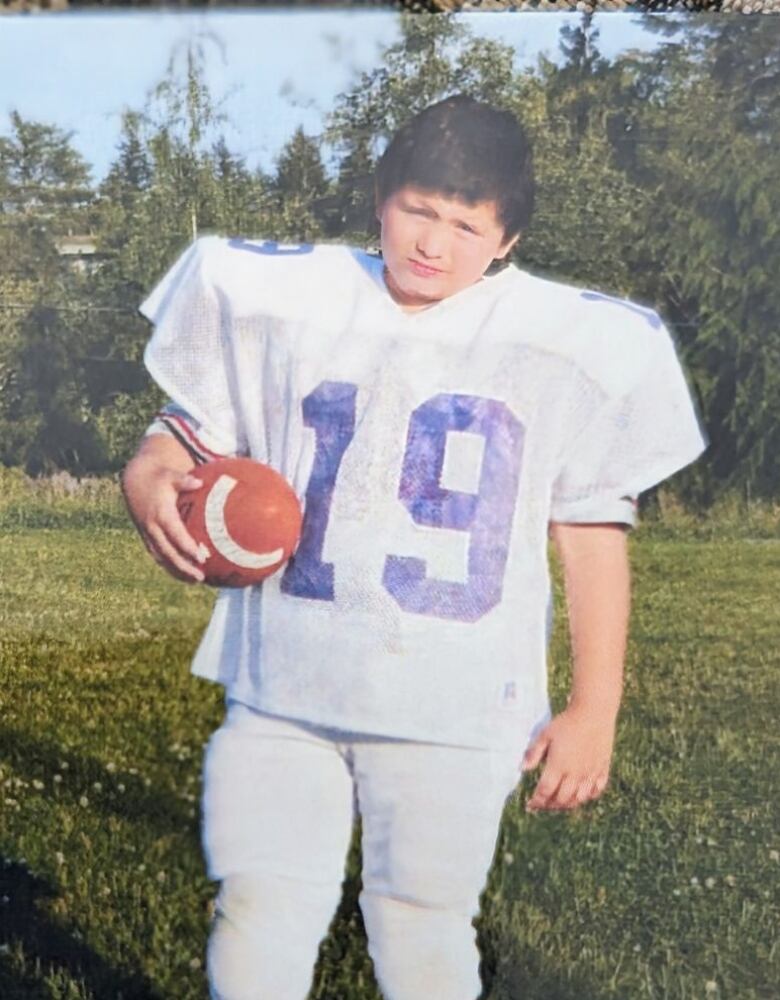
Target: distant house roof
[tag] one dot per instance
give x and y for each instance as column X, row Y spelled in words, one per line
column 70, row 246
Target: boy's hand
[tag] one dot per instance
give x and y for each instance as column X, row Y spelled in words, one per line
column 576, row 747
column 151, row 490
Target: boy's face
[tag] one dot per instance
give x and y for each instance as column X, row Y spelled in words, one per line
column 434, row 246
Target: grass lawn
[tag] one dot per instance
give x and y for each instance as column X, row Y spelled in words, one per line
column 666, row 888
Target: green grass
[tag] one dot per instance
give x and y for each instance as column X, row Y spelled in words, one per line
column 662, row 889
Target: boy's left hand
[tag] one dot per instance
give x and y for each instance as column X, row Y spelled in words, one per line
column 576, row 747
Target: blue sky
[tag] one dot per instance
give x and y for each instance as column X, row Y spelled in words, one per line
column 79, row 70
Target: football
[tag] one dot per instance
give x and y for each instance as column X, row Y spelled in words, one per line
column 246, row 517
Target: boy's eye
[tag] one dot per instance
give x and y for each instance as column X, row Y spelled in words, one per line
column 467, row 229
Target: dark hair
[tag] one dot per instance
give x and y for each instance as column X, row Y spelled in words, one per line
column 463, row 148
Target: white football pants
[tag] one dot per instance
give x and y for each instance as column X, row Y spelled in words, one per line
column 279, row 804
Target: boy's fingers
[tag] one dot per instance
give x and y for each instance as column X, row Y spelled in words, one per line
column 545, row 790
column 535, row 752
column 172, row 558
column 188, row 482
column 566, row 796
column 177, row 533
column 585, row 791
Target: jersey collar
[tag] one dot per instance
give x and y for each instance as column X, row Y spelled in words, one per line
column 373, row 266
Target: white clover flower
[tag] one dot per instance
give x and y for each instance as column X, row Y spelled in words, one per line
column 120, row 787
column 774, row 856
column 84, row 801
column 194, row 963
column 57, row 779
column 59, row 857
column 111, row 767
column 709, row 882
column 38, row 785
column 730, row 881
column 97, row 786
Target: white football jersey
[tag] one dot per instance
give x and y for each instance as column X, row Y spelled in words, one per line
column 430, row 451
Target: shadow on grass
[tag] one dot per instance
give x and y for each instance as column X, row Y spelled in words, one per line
column 33, row 757
column 50, row 948
column 523, row 976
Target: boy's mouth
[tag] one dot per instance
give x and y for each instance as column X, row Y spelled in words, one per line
column 423, row 269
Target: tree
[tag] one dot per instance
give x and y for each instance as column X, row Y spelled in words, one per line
column 42, row 175
column 711, row 242
column 574, row 89
column 45, row 422
column 131, row 173
column 299, row 185
column 240, row 195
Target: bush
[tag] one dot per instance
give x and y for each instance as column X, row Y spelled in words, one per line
column 60, row 501
column 730, row 516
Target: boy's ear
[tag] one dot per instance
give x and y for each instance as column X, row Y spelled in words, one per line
column 508, row 247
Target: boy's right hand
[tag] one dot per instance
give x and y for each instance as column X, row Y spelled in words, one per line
column 150, row 490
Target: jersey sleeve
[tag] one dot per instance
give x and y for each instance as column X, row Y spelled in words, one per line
column 174, row 421
column 634, row 441
column 190, row 354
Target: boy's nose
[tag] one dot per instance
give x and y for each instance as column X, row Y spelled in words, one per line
column 430, row 244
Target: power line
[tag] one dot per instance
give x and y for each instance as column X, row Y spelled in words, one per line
column 21, row 306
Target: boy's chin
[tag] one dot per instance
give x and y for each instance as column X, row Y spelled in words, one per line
column 412, row 292
column 413, row 299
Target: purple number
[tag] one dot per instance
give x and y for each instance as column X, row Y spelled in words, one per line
column 330, row 410
column 485, row 515
column 270, row 248
column 650, row 315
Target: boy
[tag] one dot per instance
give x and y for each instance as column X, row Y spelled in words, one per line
column 438, row 421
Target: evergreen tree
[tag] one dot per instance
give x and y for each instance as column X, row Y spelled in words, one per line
column 299, row 185
column 711, row 242
column 42, row 176
column 131, row 173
